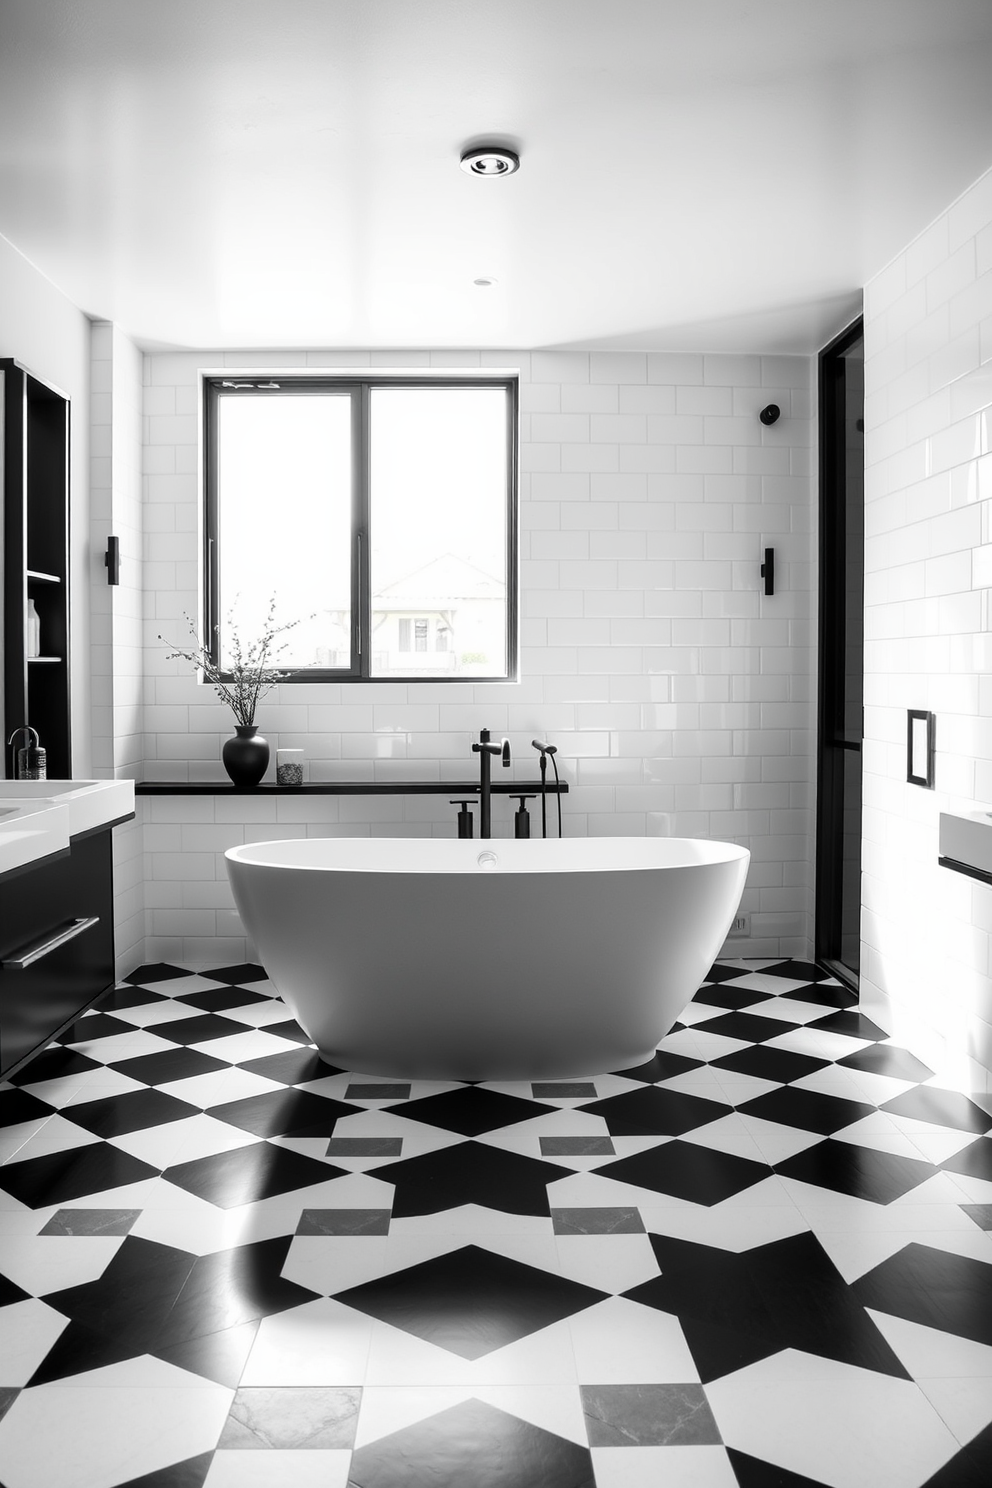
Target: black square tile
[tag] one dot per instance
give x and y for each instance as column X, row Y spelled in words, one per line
column 687, row 1171
column 809, row 1110
column 365, row 1147
column 615, row 1221
column 750, row 1028
column 577, row 1147
column 885, row 1059
column 980, row 1213
column 18, row 1106
column 936, row 1288
column 805, row 971
column 136, row 1110
column 879, row 1177
column 119, row 999
column 472, row 1109
column 661, row 1066
column 974, row 1161
column 291, row 1067
column 230, row 1179
column 969, row 1468
column 58, row 1176
column 728, row 995
column 648, row 1416
column 95, row 1026
column 344, row 1222
column 168, row 1065
column 780, row 1065
column 289, row 1029
column 248, row 971
column 940, row 1108
column 91, row 1222
column 200, row 1029
column 157, row 971
column 284, row 1113
column 470, row 1173
column 719, row 972
column 563, row 1090
column 53, row 1063
column 822, row 994
column 219, row 999
column 470, row 1301
column 472, row 1445
column 656, row 1111
column 851, row 1024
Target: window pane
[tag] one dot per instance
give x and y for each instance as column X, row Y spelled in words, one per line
column 438, row 531
column 284, row 522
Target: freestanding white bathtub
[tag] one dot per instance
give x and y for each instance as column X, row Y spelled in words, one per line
column 483, row 960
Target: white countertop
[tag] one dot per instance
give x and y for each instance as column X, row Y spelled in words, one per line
column 38, row 817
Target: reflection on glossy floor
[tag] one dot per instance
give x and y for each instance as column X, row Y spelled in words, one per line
column 764, row 1258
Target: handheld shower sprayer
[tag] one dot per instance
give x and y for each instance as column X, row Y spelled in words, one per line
column 544, row 750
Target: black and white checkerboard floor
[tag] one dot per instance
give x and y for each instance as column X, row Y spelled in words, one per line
column 764, row 1258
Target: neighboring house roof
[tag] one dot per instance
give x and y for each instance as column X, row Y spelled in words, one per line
column 439, row 584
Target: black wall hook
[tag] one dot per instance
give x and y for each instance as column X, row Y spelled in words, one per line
column 768, row 570
column 771, row 414
column 112, row 559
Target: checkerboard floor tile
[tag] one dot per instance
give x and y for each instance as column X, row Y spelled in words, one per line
column 763, row 1257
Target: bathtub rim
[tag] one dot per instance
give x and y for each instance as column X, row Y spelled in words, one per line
column 413, row 855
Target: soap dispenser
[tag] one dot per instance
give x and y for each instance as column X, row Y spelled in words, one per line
column 31, row 762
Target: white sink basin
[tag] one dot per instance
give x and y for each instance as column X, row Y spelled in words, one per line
column 967, row 839
column 38, row 817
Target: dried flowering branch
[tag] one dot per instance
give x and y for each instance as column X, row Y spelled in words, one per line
column 252, row 675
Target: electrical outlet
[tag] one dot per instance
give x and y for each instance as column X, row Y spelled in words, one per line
column 740, row 928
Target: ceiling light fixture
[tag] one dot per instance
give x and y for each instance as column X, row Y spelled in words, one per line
column 490, row 160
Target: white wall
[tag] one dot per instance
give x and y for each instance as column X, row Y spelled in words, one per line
column 46, row 333
column 927, row 932
column 678, row 695
column 116, row 651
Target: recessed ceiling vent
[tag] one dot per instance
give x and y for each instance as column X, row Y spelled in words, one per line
column 490, row 160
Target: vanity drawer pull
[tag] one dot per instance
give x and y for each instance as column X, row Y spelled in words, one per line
column 39, row 948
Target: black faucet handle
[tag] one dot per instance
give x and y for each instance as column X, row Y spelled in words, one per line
column 504, row 750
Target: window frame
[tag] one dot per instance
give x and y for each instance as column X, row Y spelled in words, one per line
column 359, row 384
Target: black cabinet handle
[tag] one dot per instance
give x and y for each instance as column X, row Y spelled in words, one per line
column 39, row 948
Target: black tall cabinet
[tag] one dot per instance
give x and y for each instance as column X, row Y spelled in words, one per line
column 36, row 562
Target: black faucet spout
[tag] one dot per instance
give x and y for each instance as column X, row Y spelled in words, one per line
column 485, row 749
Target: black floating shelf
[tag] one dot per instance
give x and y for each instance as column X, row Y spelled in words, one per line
column 343, row 788
column 980, row 874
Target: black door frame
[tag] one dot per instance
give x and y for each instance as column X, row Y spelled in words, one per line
column 832, row 744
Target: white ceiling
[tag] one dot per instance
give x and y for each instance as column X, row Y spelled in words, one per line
column 695, row 174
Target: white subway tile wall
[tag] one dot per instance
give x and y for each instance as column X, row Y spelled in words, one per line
column 926, row 931
column 679, row 696
column 116, row 649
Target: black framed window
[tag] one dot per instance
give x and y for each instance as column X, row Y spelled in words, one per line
column 380, row 512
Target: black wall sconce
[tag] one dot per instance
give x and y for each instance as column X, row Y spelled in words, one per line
column 771, row 414
column 768, row 570
column 920, row 746
column 112, row 559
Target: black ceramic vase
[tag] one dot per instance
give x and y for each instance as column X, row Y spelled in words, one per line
column 246, row 756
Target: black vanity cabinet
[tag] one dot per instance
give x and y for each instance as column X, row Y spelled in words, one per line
column 56, row 943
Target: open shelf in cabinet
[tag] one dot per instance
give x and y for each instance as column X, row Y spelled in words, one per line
column 35, row 561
